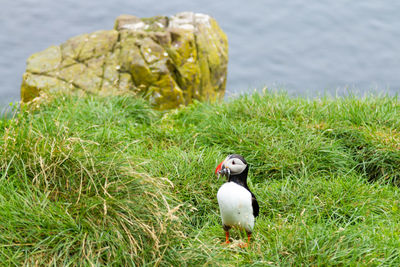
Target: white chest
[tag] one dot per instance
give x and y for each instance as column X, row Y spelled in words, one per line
column 235, row 206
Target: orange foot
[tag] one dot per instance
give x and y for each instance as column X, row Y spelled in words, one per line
column 243, row 245
column 226, row 239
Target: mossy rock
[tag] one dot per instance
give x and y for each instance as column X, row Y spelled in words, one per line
column 169, row 60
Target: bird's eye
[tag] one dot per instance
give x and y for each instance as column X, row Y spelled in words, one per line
column 233, row 162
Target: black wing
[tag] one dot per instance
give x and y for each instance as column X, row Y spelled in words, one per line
column 256, row 208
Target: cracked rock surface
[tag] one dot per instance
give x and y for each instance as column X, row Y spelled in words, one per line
column 169, row 60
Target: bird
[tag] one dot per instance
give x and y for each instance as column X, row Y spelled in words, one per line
column 237, row 204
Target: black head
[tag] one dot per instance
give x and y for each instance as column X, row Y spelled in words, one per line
column 235, row 168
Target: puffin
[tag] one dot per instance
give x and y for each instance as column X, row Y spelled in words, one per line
column 237, row 204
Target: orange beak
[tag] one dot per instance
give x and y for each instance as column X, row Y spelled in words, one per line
column 219, row 167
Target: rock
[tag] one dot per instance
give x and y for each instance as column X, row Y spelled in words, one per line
column 170, row 61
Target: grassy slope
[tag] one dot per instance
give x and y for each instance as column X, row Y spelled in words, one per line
column 98, row 180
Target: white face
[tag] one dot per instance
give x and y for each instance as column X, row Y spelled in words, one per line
column 235, row 165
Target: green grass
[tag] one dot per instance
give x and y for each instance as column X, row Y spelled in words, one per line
column 94, row 180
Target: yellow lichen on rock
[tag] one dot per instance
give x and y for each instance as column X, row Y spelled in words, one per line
column 171, row 61
column 34, row 85
column 45, row 61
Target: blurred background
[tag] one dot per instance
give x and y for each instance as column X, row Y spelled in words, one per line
column 312, row 49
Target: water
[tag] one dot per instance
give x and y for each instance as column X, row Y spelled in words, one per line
column 307, row 49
